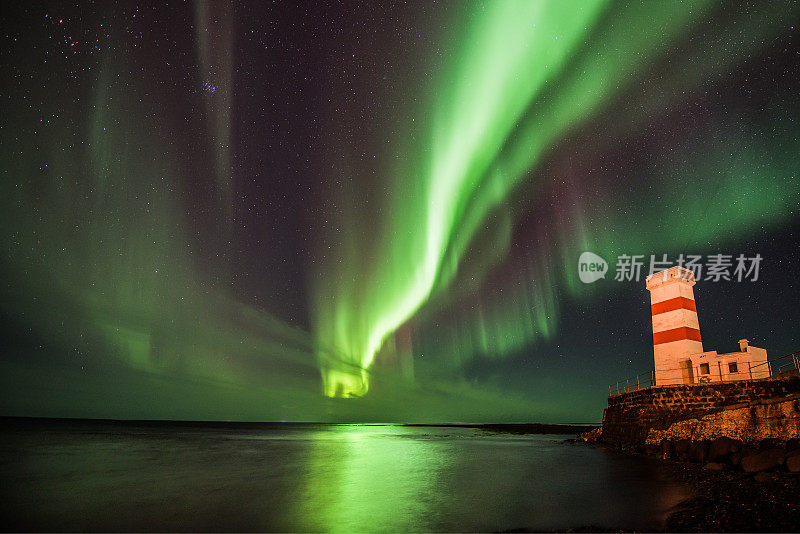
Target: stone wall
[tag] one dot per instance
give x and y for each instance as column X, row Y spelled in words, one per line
column 776, row 420
column 630, row 416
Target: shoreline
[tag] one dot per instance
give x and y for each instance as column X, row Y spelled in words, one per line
column 726, row 500
column 732, row 501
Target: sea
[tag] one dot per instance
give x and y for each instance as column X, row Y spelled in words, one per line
column 119, row 476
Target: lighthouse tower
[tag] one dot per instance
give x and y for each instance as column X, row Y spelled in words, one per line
column 676, row 331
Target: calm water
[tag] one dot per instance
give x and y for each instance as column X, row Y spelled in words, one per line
column 320, row 478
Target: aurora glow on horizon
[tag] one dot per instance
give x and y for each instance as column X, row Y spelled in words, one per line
column 231, row 211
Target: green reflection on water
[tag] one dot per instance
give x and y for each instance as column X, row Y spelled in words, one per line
column 378, row 478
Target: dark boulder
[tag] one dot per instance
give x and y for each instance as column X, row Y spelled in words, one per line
column 763, row 461
column 770, row 443
column 722, row 448
column 652, row 450
column 681, row 449
column 698, row 451
column 666, row 449
column 793, row 463
column 714, row 466
column 793, row 444
column 763, row 477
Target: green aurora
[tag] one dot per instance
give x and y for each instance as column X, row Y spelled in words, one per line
column 520, row 78
column 128, row 254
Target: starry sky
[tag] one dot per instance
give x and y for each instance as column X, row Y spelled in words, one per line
column 362, row 211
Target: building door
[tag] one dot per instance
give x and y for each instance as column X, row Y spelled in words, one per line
column 687, row 372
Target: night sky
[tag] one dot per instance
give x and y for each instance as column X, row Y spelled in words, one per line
column 374, row 211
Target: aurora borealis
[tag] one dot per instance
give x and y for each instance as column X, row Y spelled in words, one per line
column 241, row 211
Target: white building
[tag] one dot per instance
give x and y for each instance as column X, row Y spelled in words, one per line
column 677, row 345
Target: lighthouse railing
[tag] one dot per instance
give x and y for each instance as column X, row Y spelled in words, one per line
column 774, row 367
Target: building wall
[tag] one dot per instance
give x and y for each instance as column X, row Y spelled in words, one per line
column 750, row 364
column 758, row 356
column 630, row 416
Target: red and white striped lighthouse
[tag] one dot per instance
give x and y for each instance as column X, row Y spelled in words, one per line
column 676, row 330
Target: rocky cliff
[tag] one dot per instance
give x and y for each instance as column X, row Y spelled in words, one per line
column 751, row 425
column 776, row 419
column 748, row 407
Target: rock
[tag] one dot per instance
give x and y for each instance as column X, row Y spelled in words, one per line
column 681, row 449
column 763, row 461
column 666, row 450
column 698, row 451
column 595, row 435
column 736, row 457
column 757, row 419
column 793, row 444
column 763, row 477
column 793, row 463
column 722, row 448
column 770, row 443
column 714, row 466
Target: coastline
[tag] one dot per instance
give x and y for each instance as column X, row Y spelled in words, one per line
column 726, row 500
column 731, row 501
column 735, row 444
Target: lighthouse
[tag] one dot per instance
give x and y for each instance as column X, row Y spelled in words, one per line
column 677, row 345
column 676, row 330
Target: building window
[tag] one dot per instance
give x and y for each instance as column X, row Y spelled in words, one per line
column 733, row 367
column 704, row 369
